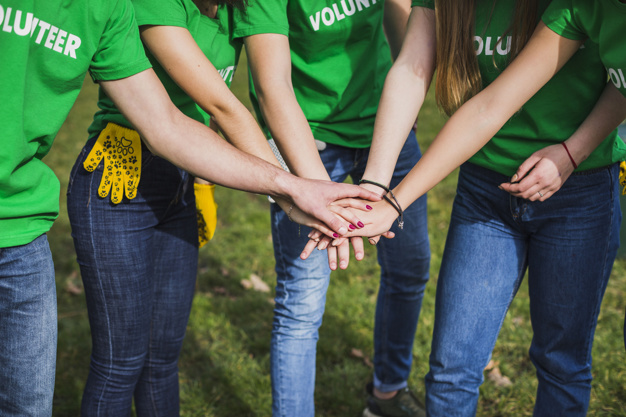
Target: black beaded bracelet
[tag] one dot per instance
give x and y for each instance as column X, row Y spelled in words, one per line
column 393, row 203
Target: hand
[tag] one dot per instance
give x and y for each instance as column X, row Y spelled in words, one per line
column 340, row 248
column 542, row 174
column 338, row 208
column 382, row 212
column 317, row 201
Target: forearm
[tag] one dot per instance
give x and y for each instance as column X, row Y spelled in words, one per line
column 403, row 94
column 395, row 22
column 243, row 132
column 142, row 97
column 270, row 64
column 402, row 98
column 291, row 131
column 609, row 111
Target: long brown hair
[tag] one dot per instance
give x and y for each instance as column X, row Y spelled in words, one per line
column 458, row 75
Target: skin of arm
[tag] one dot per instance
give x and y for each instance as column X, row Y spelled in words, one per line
column 477, row 121
column 395, row 22
column 403, row 94
column 199, row 150
column 193, row 72
column 547, row 169
column 269, row 58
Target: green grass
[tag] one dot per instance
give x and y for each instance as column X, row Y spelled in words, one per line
column 224, row 368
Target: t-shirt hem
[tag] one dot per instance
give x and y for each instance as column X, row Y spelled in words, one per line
column 121, row 72
column 162, row 21
column 260, row 29
column 21, row 239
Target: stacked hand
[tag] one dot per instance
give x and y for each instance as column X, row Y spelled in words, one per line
column 541, row 175
column 375, row 221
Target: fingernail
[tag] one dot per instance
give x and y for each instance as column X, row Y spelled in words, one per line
column 372, row 241
column 352, row 226
column 342, row 265
column 500, row 187
column 335, row 235
column 368, row 207
column 360, row 224
column 514, row 178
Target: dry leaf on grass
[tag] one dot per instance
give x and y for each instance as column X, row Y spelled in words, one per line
column 498, row 379
column 255, row 283
column 358, row 353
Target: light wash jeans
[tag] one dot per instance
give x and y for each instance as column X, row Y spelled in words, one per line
column 28, row 330
column 301, row 292
column 138, row 261
column 567, row 243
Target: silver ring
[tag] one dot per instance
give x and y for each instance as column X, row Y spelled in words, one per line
column 540, row 193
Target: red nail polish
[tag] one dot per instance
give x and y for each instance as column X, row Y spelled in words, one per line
column 360, row 224
column 368, row 207
column 335, row 235
column 352, row 227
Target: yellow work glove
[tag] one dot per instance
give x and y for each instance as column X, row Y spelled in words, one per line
column 120, row 148
column 206, row 210
column 622, row 176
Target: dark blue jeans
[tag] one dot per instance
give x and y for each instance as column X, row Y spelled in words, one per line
column 138, row 261
column 28, row 330
column 567, row 243
column 301, row 292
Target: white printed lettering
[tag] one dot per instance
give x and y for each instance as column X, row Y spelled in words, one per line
column 479, row 47
column 337, row 14
column 351, row 10
column 315, row 22
column 621, row 75
column 502, row 48
column 73, row 43
column 51, row 35
column 6, row 27
column 332, row 14
column 33, row 26
column 488, row 50
column 22, row 31
column 331, row 17
column 1, row 14
column 361, row 3
column 60, row 41
column 44, row 27
column 615, row 78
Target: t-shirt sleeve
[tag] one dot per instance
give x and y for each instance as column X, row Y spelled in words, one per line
column 161, row 12
column 429, row 4
column 560, row 16
column 120, row 52
column 262, row 16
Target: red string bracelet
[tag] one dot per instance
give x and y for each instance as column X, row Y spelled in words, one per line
column 570, row 155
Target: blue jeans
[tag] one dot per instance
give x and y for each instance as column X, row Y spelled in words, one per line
column 138, row 261
column 28, row 329
column 567, row 243
column 301, row 292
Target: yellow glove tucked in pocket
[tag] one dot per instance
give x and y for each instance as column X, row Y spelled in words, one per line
column 206, row 210
column 120, row 148
column 622, row 176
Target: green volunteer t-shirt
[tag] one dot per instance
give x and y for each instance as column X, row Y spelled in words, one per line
column 600, row 21
column 554, row 113
column 339, row 56
column 213, row 36
column 47, row 48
